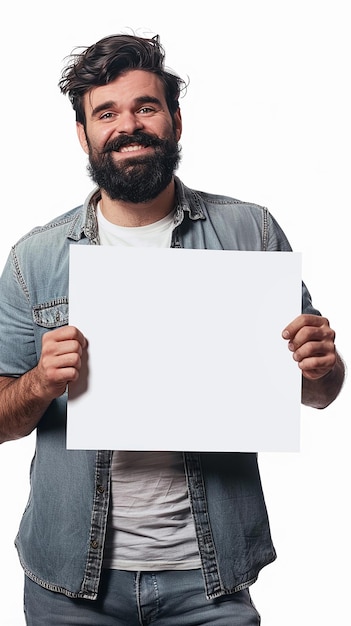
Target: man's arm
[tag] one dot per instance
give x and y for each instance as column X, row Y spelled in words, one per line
column 24, row 400
column 312, row 342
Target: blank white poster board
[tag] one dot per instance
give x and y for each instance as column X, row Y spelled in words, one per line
column 184, row 350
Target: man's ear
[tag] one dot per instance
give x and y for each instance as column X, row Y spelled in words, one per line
column 82, row 137
column 178, row 124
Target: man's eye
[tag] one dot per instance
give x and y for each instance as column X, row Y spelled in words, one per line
column 106, row 116
column 146, row 110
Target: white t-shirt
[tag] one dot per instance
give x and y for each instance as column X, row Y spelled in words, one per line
column 156, row 235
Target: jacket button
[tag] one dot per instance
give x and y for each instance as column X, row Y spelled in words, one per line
column 100, row 489
column 94, row 544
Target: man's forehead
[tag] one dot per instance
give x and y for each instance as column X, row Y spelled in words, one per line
column 132, row 84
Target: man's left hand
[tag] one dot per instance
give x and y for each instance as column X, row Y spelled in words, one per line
column 312, row 342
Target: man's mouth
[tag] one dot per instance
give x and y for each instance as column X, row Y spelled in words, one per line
column 124, row 144
column 132, row 148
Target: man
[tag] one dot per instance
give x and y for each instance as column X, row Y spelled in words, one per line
column 114, row 537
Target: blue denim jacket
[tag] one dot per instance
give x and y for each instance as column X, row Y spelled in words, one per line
column 62, row 531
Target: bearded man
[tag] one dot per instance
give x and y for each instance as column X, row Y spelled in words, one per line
column 115, row 537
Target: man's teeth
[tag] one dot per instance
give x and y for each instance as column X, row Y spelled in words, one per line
column 131, row 148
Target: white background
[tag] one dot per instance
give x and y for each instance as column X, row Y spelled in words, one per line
column 266, row 119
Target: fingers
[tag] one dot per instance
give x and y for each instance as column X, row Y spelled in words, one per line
column 65, row 333
column 315, row 364
column 312, row 342
column 60, row 360
column 313, row 326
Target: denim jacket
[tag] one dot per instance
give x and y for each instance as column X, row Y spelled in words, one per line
column 61, row 536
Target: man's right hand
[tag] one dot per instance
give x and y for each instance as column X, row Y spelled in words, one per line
column 24, row 400
column 60, row 360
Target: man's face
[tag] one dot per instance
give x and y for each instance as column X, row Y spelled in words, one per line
column 130, row 137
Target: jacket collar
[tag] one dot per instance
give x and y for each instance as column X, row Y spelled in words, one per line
column 85, row 224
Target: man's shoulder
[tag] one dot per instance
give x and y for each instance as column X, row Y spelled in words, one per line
column 65, row 225
column 237, row 224
column 216, row 202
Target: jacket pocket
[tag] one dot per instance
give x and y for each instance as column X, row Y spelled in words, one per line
column 51, row 314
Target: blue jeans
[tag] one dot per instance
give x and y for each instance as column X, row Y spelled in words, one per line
column 169, row 598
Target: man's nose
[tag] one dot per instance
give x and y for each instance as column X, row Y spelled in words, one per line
column 128, row 123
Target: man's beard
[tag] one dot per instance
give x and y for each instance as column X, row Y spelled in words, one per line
column 139, row 178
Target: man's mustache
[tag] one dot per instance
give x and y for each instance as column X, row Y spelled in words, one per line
column 144, row 139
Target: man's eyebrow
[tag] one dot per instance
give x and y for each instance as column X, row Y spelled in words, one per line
column 148, row 99
column 110, row 104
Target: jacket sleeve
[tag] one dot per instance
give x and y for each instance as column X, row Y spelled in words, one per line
column 18, row 350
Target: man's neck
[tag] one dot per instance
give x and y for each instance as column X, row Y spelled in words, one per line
column 141, row 214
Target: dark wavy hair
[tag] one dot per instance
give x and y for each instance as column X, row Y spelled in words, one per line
column 112, row 56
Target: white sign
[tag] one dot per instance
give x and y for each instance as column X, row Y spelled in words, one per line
column 185, row 350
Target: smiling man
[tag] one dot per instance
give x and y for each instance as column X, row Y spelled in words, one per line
column 131, row 538
column 132, row 141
